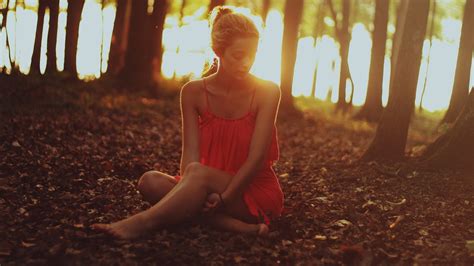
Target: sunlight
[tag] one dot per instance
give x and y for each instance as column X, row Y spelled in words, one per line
column 187, row 50
column 268, row 59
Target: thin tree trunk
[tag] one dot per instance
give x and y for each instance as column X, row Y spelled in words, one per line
column 101, row 61
column 373, row 104
column 215, row 3
column 119, row 43
column 265, row 8
column 160, row 9
column 463, row 65
column 35, row 58
column 455, row 149
column 74, row 12
column 318, row 30
column 4, row 25
column 344, row 40
column 292, row 19
column 428, row 59
column 391, row 136
column 51, row 66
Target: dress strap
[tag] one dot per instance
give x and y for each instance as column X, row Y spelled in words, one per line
column 251, row 102
column 205, row 91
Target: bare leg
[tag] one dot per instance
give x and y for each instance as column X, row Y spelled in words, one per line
column 229, row 223
column 154, row 185
column 184, row 201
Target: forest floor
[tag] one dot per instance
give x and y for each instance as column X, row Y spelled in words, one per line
column 72, row 153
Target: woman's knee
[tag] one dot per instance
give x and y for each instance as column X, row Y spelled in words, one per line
column 148, row 179
column 195, row 171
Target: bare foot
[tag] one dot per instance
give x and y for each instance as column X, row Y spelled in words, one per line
column 263, row 230
column 129, row 228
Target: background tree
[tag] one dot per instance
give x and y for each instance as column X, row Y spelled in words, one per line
column 318, row 30
column 144, row 42
column 343, row 36
column 455, row 149
column 51, row 65
column 463, row 65
column 158, row 16
column 390, row 138
column 265, row 9
column 373, row 104
column 35, row 58
column 119, row 41
column 74, row 12
column 215, row 3
column 292, row 19
column 7, row 41
column 428, row 58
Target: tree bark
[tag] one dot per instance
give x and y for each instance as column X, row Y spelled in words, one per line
column 51, row 66
column 265, row 8
column 391, row 136
column 396, row 41
column 74, row 12
column 317, row 32
column 35, row 58
column 138, row 55
column 158, row 16
column 215, row 3
column 119, row 43
column 463, row 65
column 144, row 53
column 455, row 149
column 373, row 104
column 344, row 40
column 292, row 19
column 428, row 59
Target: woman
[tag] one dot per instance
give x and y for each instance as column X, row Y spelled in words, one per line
column 229, row 145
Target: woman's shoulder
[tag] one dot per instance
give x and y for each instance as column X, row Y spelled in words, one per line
column 192, row 87
column 266, row 88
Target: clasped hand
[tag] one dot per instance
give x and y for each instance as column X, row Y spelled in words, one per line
column 213, row 202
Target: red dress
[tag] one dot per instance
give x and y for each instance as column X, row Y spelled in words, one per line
column 224, row 145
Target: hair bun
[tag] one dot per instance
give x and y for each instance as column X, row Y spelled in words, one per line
column 218, row 12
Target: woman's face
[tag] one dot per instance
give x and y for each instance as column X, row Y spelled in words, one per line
column 239, row 57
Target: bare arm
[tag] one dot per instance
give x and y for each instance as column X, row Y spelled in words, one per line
column 260, row 143
column 190, row 127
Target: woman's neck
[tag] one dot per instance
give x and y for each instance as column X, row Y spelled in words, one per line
column 227, row 82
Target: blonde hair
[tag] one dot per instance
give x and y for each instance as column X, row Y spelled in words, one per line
column 228, row 23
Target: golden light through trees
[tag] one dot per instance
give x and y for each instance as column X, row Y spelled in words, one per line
column 193, row 42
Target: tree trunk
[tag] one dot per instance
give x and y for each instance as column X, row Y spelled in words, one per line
column 74, row 12
column 317, row 32
column 144, row 53
column 4, row 25
column 373, row 104
column 344, row 40
column 391, row 136
column 138, row 55
column 215, row 3
column 118, row 46
column 292, row 19
column 455, row 149
column 51, row 66
column 463, row 65
column 35, row 58
column 428, row 58
column 397, row 40
column 265, row 8
column 158, row 16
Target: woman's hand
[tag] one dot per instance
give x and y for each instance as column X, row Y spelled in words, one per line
column 213, row 202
